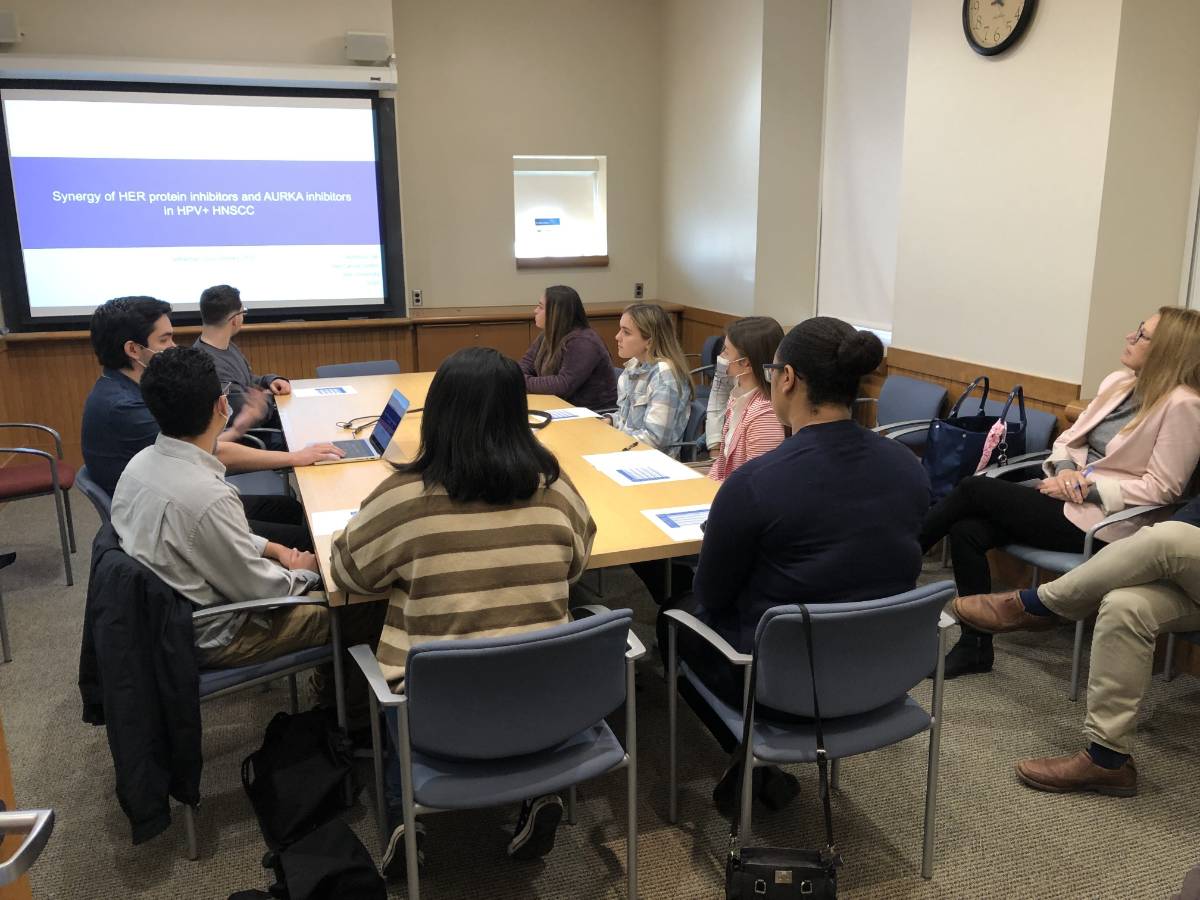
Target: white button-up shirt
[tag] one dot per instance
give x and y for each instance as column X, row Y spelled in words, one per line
column 174, row 513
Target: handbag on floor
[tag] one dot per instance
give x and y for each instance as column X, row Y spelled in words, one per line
column 955, row 444
column 776, row 873
column 295, row 780
column 327, row 864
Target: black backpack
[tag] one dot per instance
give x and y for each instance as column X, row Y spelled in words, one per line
column 329, row 863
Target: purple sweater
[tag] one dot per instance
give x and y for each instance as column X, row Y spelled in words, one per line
column 585, row 373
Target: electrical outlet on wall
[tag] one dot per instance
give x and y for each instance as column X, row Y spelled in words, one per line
column 639, row 290
column 416, row 298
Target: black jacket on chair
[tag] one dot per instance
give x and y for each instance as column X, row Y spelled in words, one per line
column 138, row 675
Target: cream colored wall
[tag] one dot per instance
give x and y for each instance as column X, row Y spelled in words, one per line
column 711, row 75
column 265, row 31
column 1144, row 224
column 480, row 81
column 1001, row 187
column 789, row 163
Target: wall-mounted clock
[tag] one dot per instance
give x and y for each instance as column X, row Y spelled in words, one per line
column 992, row 26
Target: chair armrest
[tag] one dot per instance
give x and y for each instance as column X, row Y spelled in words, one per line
column 46, row 428
column 635, row 649
column 698, row 628
column 1128, row 513
column 37, row 824
column 252, row 441
column 908, row 423
column 221, row 609
column 703, row 370
column 866, row 399
column 366, row 661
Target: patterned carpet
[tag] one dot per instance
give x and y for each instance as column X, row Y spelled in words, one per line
column 995, row 838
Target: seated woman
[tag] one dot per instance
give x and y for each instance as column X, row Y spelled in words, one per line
column 796, row 524
column 1137, row 443
column 568, row 359
column 654, row 392
column 750, row 427
column 481, row 522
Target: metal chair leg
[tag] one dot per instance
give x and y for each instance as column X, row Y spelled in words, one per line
column 70, row 520
column 571, row 798
column 189, row 823
column 672, row 715
column 377, row 760
column 62, row 534
column 1076, row 661
column 293, row 695
column 631, row 840
column 835, row 769
column 935, row 748
column 5, row 647
column 1168, row 666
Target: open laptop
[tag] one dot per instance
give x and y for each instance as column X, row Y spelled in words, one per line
column 376, row 445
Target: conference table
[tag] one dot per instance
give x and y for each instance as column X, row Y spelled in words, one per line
column 623, row 533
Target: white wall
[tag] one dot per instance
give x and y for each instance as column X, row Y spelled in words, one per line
column 1001, row 187
column 482, row 81
column 789, row 171
column 711, row 77
column 267, row 31
column 1144, row 223
column 863, row 149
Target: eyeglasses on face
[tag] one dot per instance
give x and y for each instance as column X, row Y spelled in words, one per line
column 769, row 370
column 234, row 315
column 1140, row 334
column 225, row 388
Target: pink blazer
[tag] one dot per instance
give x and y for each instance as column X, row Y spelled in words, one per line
column 1151, row 464
column 758, row 432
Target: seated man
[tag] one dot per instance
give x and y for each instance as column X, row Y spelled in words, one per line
column 174, row 513
column 222, row 316
column 1140, row 587
column 126, row 334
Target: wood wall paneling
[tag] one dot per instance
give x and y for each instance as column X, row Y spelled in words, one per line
column 436, row 342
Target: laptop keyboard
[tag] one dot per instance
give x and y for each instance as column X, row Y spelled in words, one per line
column 355, row 449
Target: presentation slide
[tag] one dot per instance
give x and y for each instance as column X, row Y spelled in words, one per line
column 164, row 194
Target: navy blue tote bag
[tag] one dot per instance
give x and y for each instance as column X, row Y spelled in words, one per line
column 955, row 443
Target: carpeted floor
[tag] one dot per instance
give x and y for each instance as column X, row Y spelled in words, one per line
column 995, row 838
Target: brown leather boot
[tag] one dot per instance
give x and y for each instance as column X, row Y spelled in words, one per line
column 998, row 613
column 1077, row 772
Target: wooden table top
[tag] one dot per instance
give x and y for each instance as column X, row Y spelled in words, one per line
column 623, row 534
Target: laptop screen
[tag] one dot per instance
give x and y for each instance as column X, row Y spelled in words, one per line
column 389, row 419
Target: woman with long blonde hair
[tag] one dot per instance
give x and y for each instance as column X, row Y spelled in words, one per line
column 568, row 359
column 654, row 393
column 1137, row 443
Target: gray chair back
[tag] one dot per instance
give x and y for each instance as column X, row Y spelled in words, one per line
column 349, row 370
column 867, row 654
column 1039, row 424
column 903, row 399
column 713, row 345
column 498, row 697
column 95, row 493
column 693, row 432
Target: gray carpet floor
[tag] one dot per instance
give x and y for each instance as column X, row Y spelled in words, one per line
column 995, row 838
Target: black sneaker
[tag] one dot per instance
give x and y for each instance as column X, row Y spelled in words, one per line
column 395, row 864
column 533, row 837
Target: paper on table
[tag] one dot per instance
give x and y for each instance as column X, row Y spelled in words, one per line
column 331, row 520
column 572, row 412
column 680, row 523
column 641, row 467
column 333, row 390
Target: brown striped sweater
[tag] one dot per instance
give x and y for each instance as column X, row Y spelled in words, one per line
column 462, row 570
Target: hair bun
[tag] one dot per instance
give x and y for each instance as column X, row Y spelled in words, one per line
column 860, row 353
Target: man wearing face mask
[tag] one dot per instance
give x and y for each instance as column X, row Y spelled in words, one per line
column 174, row 513
column 126, row 334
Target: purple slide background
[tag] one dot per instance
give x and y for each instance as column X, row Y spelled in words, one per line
column 45, row 224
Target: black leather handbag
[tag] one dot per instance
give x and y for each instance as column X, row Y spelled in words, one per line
column 775, row 873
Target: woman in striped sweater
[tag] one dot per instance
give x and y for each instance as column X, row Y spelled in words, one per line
column 750, row 427
column 479, row 536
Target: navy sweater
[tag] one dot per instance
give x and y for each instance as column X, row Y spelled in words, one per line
column 832, row 515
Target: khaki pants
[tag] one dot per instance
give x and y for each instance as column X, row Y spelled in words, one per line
column 286, row 631
column 1139, row 587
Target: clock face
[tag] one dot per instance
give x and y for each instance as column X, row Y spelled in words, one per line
column 992, row 26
